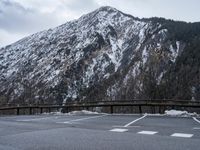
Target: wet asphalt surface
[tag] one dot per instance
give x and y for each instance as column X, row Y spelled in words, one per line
column 95, row 132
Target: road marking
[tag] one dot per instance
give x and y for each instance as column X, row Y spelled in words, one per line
column 196, row 128
column 125, row 127
column 128, row 124
column 183, row 135
column 147, row 132
column 36, row 119
column 81, row 119
column 119, row 130
column 195, row 119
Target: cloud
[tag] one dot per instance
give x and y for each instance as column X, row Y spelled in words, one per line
column 7, row 38
column 16, row 18
column 80, row 5
column 185, row 10
column 19, row 18
column 25, row 17
column 34, row 15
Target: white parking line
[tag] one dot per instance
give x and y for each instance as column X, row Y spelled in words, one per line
column 81, row 119
column 147, row 132
column 119, row 130
column 115, row 126
column 183, row 135
column 195, row 119
column 37, row 119
column 128, row 124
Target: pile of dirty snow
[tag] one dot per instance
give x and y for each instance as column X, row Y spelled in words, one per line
column 82, row 112
column 178, row 113
column 54, row 113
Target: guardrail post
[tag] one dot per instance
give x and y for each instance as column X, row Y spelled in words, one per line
column 30, row 110
column 18, row 109
column 49, row 109
column 164, row 109
column 111, row 109
column 159, row 110
column 153, row 109
column 67, row 109
column 41, row 110
column 140, row 109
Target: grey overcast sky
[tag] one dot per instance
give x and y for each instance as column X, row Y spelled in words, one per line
column 20, row 18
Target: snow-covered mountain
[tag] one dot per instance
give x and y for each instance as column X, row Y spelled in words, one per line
column 104, row 55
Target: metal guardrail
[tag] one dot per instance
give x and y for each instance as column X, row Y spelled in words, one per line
column 160, row 104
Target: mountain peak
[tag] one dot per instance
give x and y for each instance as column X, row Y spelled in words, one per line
column 107, row 8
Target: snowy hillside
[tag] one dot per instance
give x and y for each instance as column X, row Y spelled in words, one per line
column 103, row 55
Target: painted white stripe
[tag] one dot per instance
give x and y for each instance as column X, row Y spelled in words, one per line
column 128, row 124
column 147, row 132
column 119, row 130
column 183, row 135
column 81, row 119
column 125, row 127
column 195, row 119
column 196, row 128
column 36, row 119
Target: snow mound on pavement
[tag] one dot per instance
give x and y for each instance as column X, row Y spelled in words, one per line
column 179, row 113
column 54, row 113
column 82, row 112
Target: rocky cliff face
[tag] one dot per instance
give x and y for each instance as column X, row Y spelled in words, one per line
column 104, row 55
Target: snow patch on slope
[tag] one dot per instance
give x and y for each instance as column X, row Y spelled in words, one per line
column 174, row 51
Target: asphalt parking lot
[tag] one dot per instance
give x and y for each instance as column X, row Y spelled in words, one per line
column 99, row 131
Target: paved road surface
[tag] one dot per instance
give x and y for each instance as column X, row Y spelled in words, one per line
column 99, row 132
